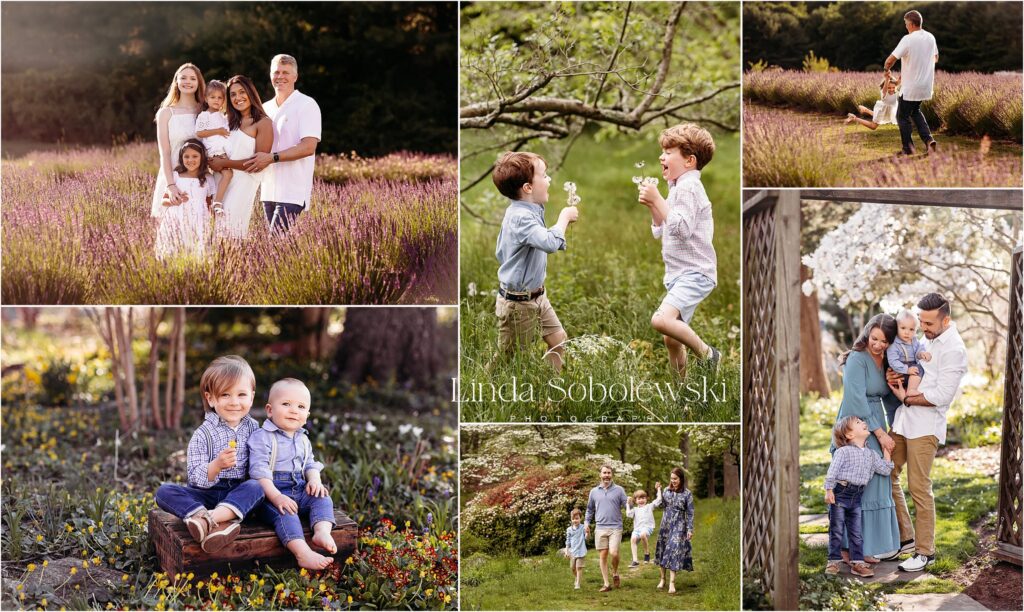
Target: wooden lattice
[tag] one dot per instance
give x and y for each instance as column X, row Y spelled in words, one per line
column 771, row 249
column 1008, row 530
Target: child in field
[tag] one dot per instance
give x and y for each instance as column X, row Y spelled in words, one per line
column 685, row 226
column 885, row 108
column 183, row 227
column 522, row 251
column 219, row 493
column 643, row 522
column 907, row 351
column 851, row 469
column 576, row 545
column 212, row 127
column 281, row 460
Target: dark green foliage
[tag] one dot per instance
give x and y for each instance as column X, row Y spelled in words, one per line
column 975, row 36
column 93, row 73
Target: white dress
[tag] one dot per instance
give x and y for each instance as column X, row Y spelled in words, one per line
column 885, row 109
column 180, row 127
column 183, row 228
column 241, row 193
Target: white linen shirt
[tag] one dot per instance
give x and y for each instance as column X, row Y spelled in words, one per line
column 917, row 52
column 291, row 182
column 940, row 386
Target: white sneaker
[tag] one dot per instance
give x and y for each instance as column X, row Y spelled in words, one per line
column 917, row 563
column 577, row 587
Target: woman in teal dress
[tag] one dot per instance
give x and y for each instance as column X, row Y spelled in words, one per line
column 866, row 395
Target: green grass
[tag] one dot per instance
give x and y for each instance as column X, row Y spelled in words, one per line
column 608, row 283
column 508, row 582
column 962, row 498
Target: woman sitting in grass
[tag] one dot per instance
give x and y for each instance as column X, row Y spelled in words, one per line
column 885, row 107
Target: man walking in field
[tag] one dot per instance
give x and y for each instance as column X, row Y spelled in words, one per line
column 605, row 506
column 918, row 54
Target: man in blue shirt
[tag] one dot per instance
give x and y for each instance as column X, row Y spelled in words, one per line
column 522, row 251
column 605, row 504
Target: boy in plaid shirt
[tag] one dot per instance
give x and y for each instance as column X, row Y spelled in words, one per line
column 685, row 227
column 851, row 469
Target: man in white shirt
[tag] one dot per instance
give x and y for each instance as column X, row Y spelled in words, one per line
column 919, row 427
column 918, row 53
column 287, row 186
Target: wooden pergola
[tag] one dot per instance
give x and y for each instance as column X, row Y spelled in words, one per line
column 771, row 389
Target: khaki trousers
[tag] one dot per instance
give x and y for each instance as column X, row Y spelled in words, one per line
column 917, row 454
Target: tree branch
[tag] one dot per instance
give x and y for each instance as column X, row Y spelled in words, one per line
column 667, row 44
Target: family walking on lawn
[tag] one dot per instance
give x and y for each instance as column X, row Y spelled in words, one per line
column 900, row 97
column 673, row 551
column 897, row 389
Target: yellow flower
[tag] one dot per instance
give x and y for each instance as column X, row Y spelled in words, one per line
column 303, row 573
column 213, row 576
column 39, row 538
column 128, row 541
column 323, row 587
column 428, row 592
column 233, row 444
column 349, row 599
column 110, row 606
column 46, row 563
column 252, row 577
column 31, row 567
column 278, row 587
column 74, row 571
column 200, row 584
column 349, row 561
column 124, row 577
column 238, row 589
column 85, row 564
column 190, row 576
column 69, row 528
column 96, row 560
column 43, row 602
column 447, row 599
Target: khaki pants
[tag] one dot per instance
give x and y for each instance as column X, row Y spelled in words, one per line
column 917, row 454
column 518, row 322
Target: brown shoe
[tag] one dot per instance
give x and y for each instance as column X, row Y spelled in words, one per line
column 604, row 589
column 615, row 581
column 221, row 536
column 200, row 524
column 861, row 569
column 832, row 568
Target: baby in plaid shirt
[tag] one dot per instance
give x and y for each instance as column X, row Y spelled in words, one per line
column 852, row 467
column 219, row 493
column 685, row 227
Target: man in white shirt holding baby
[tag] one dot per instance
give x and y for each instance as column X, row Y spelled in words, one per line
column 919, row 427
column 287, row 186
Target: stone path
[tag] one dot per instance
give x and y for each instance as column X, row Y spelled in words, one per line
column 888, row 572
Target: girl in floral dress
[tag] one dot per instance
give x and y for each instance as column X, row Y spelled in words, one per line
column 673, row 552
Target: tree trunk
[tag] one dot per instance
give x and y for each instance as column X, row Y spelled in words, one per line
column 392, row 344
column 151, row 403
column 684, row 448
column 172, row 372
column 730, row 476
column 812, row 366
column 711, row 480
column 178, row 407
column 310, row 344
column 105, row 321
column 124, row 338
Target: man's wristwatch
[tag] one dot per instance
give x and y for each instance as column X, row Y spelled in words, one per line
column 277, row 158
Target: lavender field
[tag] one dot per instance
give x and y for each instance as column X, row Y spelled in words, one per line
column 794, row 135
column 77, row 230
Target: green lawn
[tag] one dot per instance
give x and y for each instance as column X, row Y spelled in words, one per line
column 607, row 284
column 962, row 498
column 509, row 582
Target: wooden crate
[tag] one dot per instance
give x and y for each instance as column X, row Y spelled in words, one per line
column 178, row 553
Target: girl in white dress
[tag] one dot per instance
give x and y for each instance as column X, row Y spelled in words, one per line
column 183, row 227
column 212, row 127
column 175, row 123
column 885, row 108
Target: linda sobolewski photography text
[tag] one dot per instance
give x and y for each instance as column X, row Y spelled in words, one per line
column 103, row 406
column 335, row 195
column 882, row 94
column 909, row 320
column 600, row 517
column 631, row 232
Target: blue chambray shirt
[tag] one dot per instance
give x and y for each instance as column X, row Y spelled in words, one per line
column 903, row 354
column 200, row 454
column 606, row 506
column 575, row 543
column 523, row 246
column 294, row 453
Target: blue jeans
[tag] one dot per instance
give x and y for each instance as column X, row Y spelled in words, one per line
column 289, row 526
column 845, row 515
column 241, row 496
column 905, row 113
column 281, row 215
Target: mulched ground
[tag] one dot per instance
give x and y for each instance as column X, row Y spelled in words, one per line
column 993, row 583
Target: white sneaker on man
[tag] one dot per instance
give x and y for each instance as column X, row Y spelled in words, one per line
column 916, row 563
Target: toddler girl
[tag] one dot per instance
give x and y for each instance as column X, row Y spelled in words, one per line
column 885, row 108
column 212, row 127
column 183, row 226
column 643, row 523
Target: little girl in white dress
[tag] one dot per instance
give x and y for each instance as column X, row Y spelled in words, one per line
column 885, row 107
column 212, row 128
column 183, row 228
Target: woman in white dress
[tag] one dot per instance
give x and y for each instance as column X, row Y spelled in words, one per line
column 251, row 131
column 885, row 107
column 176, row 123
